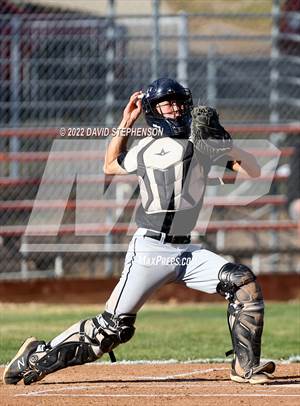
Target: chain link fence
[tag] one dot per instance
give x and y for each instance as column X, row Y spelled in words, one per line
column 70, row 69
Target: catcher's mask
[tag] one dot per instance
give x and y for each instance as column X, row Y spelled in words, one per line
column 166, row 89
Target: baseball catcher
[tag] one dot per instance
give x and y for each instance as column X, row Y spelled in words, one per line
column 172, row 171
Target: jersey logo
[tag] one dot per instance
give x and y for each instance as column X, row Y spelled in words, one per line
column 162, row 152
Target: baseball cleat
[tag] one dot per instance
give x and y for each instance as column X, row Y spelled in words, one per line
column 258, row 375
column 19, row 365
column 255, row 379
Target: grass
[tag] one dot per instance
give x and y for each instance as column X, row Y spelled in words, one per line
column 179, row 332
column 222, row 6
column 228, row 7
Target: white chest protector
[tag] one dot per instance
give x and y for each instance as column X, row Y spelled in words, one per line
column 170, row 175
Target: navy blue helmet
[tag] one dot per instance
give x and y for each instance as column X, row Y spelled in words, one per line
column 168, row 89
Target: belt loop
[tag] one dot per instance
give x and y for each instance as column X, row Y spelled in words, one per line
column 144, row 231
column 162, row 237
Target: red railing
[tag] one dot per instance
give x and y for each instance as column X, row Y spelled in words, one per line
column 112, row 204
column 214, row 226
column 121, row 228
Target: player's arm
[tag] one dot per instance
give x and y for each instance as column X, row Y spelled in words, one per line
column 244, row 162
column 118, row 144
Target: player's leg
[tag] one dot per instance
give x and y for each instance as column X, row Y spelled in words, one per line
column 211, row 273
column 89, row 339
column 79, row 344
column 245, row 317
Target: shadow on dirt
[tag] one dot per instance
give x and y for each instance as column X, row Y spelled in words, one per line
column 122, row 381
column 286, row 380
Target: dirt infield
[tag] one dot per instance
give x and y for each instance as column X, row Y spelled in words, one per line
column 154, row 384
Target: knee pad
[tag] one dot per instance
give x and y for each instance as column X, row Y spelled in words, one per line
column 232, row 277
column 114, row 329
column 238, row 283
column 245, row 315
column 122, row 325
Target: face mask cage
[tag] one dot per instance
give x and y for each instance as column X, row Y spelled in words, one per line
column 183, row 99
column 182, row 107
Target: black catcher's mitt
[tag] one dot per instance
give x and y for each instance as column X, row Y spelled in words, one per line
column 207, row 134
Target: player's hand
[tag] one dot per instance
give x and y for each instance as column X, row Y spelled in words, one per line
column 133, row 109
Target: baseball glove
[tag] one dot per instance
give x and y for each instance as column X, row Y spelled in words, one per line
column 207, row 134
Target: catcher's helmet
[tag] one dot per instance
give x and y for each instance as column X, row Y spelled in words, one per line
column 168, row 89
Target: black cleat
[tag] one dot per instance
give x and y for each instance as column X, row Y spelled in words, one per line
column 19, row 365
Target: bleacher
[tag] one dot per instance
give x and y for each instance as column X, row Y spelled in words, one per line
column 258, row 231
column 72, row 68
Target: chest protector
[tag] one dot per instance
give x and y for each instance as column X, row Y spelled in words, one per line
column 171, row 176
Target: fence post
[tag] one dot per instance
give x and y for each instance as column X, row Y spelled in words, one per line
column 274, row 72
column 58, row 267
column 109, row 100
column 110, row 56
column 155, row 40
column 15, row 80
column 24, row 253
column 211, row 76
column 274, row 112
column 182, row 49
